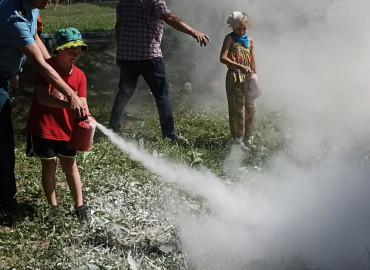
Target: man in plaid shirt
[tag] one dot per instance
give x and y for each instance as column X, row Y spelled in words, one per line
column 139, row 30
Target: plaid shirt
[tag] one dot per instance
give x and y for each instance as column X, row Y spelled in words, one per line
column 142, row 29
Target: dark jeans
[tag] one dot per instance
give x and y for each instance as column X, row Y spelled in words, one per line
column 7, row 158
column 154, row 74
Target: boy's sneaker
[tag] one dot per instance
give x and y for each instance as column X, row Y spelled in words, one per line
column 83, row 213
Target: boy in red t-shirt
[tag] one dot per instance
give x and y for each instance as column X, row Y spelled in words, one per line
column 50, row 120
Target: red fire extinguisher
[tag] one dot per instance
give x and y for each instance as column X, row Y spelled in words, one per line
column 83, row 134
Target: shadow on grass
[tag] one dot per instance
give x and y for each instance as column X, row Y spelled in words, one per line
column 8, row 218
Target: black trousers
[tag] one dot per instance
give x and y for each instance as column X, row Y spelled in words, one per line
column 154, row 73
column 7, row 157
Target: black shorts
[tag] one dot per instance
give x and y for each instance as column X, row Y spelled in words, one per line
column 48, row 149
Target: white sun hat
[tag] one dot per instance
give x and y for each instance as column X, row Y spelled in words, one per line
column 234, row 19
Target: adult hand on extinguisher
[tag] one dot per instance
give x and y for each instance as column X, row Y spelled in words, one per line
column 85, row 109
column 77, row 107
column 87, row 114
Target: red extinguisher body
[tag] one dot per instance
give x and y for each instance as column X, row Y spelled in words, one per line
column 83, row 134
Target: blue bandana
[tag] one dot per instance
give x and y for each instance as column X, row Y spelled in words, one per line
column 243, row 40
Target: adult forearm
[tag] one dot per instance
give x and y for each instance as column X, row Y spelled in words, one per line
column 51, row 101
column 175, row 22
column 52, row 77
column 36, row 57
column 42, row 47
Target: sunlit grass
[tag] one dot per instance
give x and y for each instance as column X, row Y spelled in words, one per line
column 85, row 17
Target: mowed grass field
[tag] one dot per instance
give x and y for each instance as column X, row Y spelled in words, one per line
column 88, row 17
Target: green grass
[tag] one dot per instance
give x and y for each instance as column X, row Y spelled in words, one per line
column 87, row 17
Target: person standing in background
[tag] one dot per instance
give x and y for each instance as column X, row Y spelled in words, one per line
column 139, row 30
column 238, row 54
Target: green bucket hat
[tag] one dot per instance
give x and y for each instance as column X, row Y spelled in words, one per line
column 67, row 38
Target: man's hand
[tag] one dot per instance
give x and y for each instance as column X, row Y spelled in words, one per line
column 175, row 22
column 77, row 107
column 201, row 38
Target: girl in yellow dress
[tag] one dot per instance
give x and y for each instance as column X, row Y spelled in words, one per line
column 238, row 54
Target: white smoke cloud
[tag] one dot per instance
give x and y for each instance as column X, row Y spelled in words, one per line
column 313, row 62
column 313, row 59
column 319, row 214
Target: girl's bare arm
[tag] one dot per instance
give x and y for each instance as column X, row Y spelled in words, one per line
column 253, row 59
